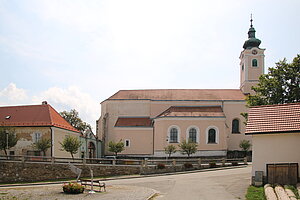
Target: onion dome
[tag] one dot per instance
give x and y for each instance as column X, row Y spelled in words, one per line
column 252, row 41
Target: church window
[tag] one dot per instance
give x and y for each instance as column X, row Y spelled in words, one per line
column 193, row 135
column 127, row 143
column 235, row 126
column 173, row 135
column 254, row 63
column 212, row 135
column 243, row 67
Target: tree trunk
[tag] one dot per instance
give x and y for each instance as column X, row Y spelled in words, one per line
column 72, row 156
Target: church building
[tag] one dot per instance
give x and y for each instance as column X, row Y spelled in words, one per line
column 149, row 120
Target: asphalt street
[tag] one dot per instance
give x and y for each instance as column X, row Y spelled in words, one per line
column 226, row 184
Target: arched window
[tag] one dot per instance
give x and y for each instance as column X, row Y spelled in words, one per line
column 235, row 126
column 173, row 135
column 254, row 63
column 212, row 136
column 193, row 135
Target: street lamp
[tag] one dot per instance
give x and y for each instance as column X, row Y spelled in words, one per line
column 6, row 132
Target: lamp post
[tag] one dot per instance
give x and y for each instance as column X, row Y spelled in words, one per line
column 6, row 132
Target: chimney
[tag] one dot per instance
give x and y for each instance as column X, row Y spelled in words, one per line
column 44, row 103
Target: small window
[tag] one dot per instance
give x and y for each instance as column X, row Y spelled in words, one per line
column 12, row 153
column 235, row 126
column 211, row 136
column 254, row 63
column 37, row 137
column 127, row 143
column 193, row 135
column 173, row 135
column 243, row 67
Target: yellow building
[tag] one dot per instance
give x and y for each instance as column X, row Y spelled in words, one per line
column 149, row 120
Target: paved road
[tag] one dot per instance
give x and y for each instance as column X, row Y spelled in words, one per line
column 227, row 184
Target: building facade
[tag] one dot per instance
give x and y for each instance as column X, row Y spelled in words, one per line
column 149, row 120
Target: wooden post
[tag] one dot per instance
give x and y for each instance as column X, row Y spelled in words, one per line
column 23, row 159
column 174, row 162
column 199, row 162
column 223, row 162
column 84, row 161
column 113, row 162
column 146, row 163
column 245, row 160
column 52, row 160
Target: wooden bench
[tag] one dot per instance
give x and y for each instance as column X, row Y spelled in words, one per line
column 96, row 183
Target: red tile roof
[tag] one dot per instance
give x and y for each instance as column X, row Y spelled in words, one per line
column 180, row 94
column 33, row 115
column 203, row 111
column 274, row 119
column 133, row 122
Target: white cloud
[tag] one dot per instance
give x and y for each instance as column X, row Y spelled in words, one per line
column 12, row 93
column 71, row 98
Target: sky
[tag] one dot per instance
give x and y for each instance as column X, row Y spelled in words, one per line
column 74, row 54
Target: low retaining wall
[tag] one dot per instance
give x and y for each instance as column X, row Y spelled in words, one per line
column 11, row 172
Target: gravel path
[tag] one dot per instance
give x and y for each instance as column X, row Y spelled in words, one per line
column 54, row 192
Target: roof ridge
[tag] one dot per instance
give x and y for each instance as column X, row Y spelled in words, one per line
column 275, row 105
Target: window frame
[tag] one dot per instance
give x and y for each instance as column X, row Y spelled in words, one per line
column 217, row 134
column 197, row 133
column 169, row 134
column 37, row 137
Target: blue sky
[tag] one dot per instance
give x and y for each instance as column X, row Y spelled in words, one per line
column 75, row 54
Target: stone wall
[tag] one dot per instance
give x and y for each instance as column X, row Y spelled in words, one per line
column 11, row 172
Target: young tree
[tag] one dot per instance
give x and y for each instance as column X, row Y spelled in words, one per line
column 8, row 139
column 170, row 149
column 188, row 147
column 42, row 145
column 280, row 85
column 73, row 118
column 116, row 147
column 245, row 146
column 70, row 144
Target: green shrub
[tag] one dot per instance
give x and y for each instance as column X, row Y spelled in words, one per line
column 73, row 188
column 188, row 165
column 161, row 166
column 212, row 164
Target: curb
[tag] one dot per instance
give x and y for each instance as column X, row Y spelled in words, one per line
column 128, row 177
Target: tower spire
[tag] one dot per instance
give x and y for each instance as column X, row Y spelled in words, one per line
column 251, row 20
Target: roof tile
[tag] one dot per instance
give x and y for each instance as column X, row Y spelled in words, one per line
column 274, row 118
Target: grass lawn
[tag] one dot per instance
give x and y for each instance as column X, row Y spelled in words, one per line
column 255, row 193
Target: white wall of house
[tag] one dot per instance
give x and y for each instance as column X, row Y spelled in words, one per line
column 275, row 148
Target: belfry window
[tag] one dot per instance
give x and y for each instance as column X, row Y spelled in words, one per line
column 235, row 126
column 173, row 135
column 254, row 63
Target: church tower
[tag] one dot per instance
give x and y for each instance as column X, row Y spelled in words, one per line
column 252, row 62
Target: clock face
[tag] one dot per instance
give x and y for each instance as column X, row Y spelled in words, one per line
column 254, row 52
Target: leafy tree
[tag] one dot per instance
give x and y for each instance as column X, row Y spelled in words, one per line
column 170, row 149
column 116, row 147
column 280, row 85
column 42, row 145
column 73, row 118
column 188, row 147
column 8, row 139
column 245, row 146
column 70, row 144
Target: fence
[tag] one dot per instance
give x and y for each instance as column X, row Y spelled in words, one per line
column 133, row 162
